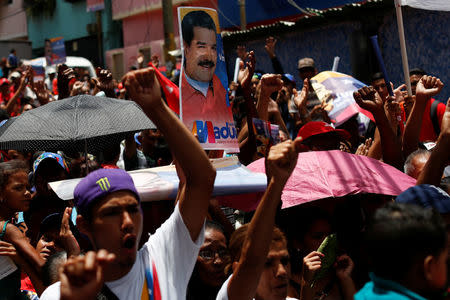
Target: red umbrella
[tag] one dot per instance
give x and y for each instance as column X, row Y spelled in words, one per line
column 325, row 174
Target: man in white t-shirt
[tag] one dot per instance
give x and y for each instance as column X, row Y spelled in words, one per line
column 110, row 215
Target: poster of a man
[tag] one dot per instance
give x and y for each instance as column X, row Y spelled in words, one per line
column 55, row 51
column 204, row 104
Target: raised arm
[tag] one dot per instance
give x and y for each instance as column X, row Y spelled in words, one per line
column 369, row 99
column 270, row 49
column 440, row 156
column 427, row 87
column 23, row 83
column 280, row 163
column 144, row 89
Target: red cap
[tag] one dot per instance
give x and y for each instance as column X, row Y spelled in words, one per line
column 120, row 86
column 3, row 81
column 319, row 127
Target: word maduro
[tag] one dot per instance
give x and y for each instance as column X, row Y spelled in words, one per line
column 206, row 132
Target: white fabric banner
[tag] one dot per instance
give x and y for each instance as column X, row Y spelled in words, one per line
column 442, row 5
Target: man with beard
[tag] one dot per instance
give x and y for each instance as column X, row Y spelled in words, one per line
column 203, row 95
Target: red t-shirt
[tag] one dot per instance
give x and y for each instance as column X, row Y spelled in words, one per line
column 212, row 108
column 5, row 98
column 25, row 283
column 427, row 131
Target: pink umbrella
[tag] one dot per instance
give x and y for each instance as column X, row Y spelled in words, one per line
column 325, row 174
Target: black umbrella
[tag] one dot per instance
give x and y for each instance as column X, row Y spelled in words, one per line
column 80, row 123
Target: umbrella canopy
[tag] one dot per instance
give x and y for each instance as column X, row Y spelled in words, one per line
column 74, row 123
column 325, row 174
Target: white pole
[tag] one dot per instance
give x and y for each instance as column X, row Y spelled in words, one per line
column 335, row 64
column 236, row 73
column 401, row 35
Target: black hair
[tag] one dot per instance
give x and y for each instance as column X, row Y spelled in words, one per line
column 445, row 184
column 417, row 71
column 12, row 50
column 197, row 18
column 9, row 168
column 111, row 153
column 377, row 76
column 401, row 236
column 3, row 115
column 209, row 224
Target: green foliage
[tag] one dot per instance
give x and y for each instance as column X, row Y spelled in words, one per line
column 37, row 8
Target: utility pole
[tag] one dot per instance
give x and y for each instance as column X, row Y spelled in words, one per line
column 243, row 14
column 169, row 41
column 98, row 14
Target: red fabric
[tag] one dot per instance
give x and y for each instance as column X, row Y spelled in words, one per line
column 109, row 166
column 156, row 289
column 55, row 86
column 5, row 98
column 25, row 283
column 170, row 90
column 427, row 131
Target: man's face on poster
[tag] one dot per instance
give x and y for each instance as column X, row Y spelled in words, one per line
column 201, row 55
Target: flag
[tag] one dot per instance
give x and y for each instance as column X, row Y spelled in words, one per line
column 442, row 5
column 170, row 90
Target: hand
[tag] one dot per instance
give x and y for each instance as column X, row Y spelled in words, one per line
column 143, row 88
column 65, row 75
column 363, row 149
column 301, row 99
column 104, row 82
column 78, row 88
column 270, row 46
column 319, row 111
column 25, row 78
column 8, row 249
column 408, row 104
column 400, row 93
column 233, row 86
column 241, row 52
column 42, row 94
column 427, row 87
column 344, row 266
column 392, row 111
column 282, row 159
column 367, row 98
column 66, row 236
column 82, row 276
column 311, row 264
column 246, row 73
column 270, row 83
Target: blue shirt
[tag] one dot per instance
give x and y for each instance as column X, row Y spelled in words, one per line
column 383, row 289
column 12, row 60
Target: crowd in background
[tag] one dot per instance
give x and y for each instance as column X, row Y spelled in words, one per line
column 383, row 247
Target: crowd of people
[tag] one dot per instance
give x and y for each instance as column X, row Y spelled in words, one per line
column 368, row 246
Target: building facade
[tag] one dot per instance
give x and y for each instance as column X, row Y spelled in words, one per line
column 142, row 26
column 78, row 27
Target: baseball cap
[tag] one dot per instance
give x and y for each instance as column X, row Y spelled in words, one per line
column 50, row 155
column 4, row 81
column 426, row 195
column 318, row 127
column 306, row 62
column 99, row 184
column 14, row 75
column 289, row 78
